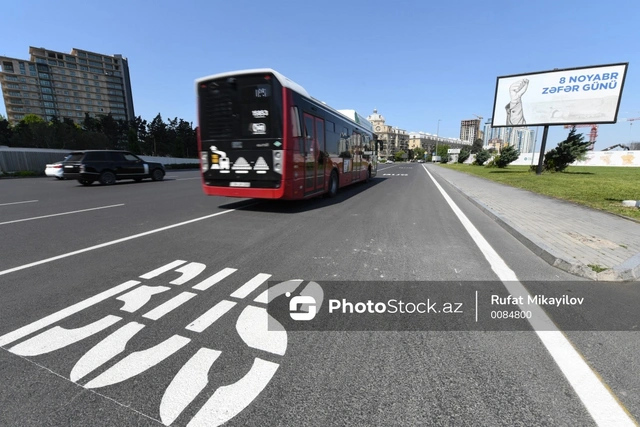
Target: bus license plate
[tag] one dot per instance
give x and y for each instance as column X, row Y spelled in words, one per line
column 240, row 184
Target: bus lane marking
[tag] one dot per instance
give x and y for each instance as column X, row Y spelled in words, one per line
column 254, row 326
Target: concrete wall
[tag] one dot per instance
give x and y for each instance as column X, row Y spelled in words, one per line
column 35, row 159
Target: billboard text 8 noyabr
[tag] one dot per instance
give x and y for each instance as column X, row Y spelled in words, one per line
column 587, row 95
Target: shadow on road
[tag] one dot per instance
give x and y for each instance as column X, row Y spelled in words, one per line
column 297, row 206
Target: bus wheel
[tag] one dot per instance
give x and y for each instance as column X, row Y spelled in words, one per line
column 333, row 184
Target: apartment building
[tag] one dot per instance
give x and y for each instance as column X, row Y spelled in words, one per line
column 66, row 85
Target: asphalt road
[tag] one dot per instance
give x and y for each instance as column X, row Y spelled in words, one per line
column 135, row 304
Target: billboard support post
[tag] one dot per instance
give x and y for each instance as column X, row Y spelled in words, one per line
column 542, row 147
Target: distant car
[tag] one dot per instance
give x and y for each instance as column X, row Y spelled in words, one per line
column 55, row 170
column 420, row 161
column 109, row 166
column 389, row 161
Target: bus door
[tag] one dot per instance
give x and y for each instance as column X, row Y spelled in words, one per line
column 314, row 154
column 356, row 158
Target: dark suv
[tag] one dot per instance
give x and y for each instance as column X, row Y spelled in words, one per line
column 109, row 166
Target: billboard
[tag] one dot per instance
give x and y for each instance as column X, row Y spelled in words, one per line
column 588, row 95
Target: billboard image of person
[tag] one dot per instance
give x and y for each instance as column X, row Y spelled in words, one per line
column 515, row 114
column 570, row 96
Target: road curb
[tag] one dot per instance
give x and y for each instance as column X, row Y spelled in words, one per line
column 627, row 271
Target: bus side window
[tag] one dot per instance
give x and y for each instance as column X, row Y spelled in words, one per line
column 296, row 130
column 344, row 143
column 295, row 122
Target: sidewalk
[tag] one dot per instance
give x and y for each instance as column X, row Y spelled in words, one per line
column 566, row 235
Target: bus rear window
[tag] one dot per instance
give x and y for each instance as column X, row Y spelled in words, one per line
column 243, row 106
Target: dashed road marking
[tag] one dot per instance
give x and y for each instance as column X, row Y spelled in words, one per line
column 60, row 214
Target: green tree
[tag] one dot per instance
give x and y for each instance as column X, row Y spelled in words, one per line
column 568, row 151
column 443, row 152
column 111, row 129
column 477, row 146
column 507, row 155
column 482, row 157
column 398, row 155
column 5, row 131
column 418, row 153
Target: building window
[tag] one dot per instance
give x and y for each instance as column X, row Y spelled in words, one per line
column 12, row 86
column 49, row 111
column 82, row 61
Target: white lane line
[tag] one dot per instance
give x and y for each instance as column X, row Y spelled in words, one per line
column 113, row 242
column 210, row 316
column 168, row 306
column 601, row 404
column 64, row 313
column 17, row 203
column 59, row 214
column 250, row 286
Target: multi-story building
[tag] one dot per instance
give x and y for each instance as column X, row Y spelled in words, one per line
column 522, row 138
column 66, row 85
column 469, row 130
column 393, row 139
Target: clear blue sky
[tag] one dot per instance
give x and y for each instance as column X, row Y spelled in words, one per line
column 416, row 61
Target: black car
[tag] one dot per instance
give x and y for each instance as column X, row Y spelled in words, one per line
column 109, row 166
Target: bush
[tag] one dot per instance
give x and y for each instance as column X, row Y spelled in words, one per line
column 507, row 155
column 568, row 151
column 464, row 155
column 482, row 157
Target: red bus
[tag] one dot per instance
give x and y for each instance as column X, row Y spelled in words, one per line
column 260, row 135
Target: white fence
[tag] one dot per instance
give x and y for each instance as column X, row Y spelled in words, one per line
column 14, row 159
column 594, row 158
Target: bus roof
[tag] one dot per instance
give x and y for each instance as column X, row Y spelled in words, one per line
column 353, row 115
column 284, row 81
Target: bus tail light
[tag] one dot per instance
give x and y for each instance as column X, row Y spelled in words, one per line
column 277, row 161
column 204, row 158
